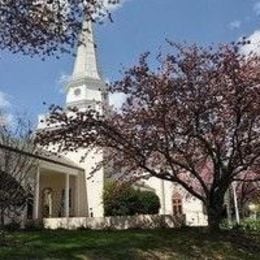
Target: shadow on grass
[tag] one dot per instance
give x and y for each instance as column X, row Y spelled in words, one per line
column 189, row 243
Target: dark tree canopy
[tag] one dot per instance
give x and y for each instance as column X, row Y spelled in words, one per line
column 194, row 121
column 46, row 27
column 11, row 190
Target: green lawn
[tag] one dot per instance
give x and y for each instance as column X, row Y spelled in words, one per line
column 146, row 244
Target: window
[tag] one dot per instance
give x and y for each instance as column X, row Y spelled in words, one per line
column 177, row 204
column 77, row 92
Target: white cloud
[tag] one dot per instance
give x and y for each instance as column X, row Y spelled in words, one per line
column 62, row 81
column 117, row 100
column 257, row 8
column 2, row 120
column 253, row 46
column 112, row 7
column 3, row 100
column 234, row 25
column 5, row 117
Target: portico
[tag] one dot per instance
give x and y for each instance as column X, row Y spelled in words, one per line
column 59, row 190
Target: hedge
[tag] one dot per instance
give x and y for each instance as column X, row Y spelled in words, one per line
column 121, row 199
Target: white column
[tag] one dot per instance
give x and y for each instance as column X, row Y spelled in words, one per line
column 36, row 194
column 67, row 191
column 235, row 203
column 77, row 194
column 163, row 197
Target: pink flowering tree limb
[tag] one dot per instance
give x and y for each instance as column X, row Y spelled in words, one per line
column 46, row 27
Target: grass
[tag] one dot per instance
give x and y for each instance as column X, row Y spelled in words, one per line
column 131, row 244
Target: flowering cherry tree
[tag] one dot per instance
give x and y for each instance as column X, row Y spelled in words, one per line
column 46, row 27
column 193, row 121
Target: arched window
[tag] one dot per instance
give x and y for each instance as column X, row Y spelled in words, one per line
column 177, row 204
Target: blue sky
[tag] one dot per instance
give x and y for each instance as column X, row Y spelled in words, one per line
column 139, row 26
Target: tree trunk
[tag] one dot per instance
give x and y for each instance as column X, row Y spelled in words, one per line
column 2, row 218
column 215, row 210
column 214, row 219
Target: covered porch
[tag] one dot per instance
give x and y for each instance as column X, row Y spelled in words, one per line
column 60, row 190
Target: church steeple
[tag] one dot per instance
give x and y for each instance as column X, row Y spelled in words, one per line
column 86, row 59
column 86, row 86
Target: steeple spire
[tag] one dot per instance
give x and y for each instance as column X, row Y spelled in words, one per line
column 86, row 59
column 85, row 88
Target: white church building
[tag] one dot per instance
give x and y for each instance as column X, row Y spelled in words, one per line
column 63, row 187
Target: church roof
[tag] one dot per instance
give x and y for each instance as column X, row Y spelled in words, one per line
column 44, row 156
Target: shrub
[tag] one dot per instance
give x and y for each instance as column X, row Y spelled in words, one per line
column 225, row 224
column 120, row 199
column 247, row 224
column 12, row 226
column 34, row 225
column 250, row 225
column 149, row 203
column 83, row 228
